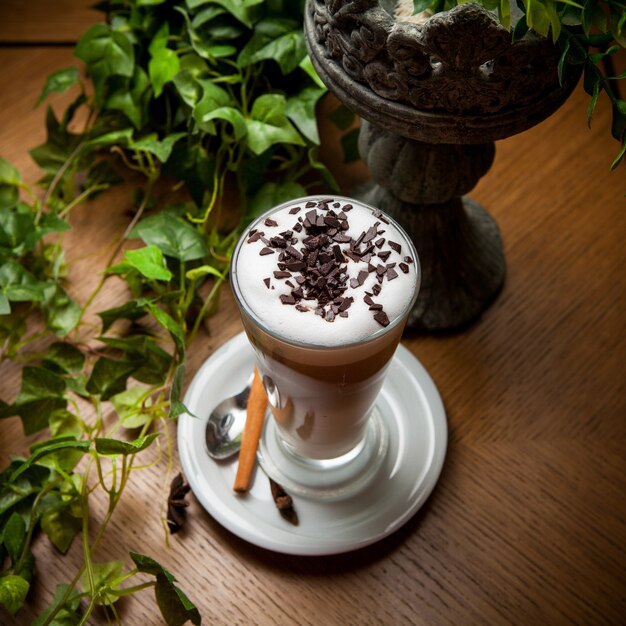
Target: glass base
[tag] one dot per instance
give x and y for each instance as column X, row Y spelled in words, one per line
column 328, row 479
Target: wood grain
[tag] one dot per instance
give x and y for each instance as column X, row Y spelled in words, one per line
column 528, row 521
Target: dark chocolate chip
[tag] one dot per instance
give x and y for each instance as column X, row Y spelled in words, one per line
column 381, row 318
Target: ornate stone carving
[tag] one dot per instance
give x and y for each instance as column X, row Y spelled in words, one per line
column 460, row 61
column 433, row 98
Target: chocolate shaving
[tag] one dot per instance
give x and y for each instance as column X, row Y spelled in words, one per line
column 295, row 210
column 287, row 299
column 267, row 282
column 270, row 222
column 391, row 274
column 408, row 259
column 381, row 318
column 404, row 267
column 265, row 251
column 384, row 254
column 395, row 246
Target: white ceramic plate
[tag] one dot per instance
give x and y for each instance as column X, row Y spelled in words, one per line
column 416, row 421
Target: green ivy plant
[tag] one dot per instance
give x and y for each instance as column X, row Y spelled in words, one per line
column 196, row 94
column 588, row 32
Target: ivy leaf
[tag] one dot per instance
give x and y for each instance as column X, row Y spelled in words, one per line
column 41, row 393
column 64, row 357
column 61, row 313
column 243, row 10
column 269, row 124
column 105, row 445
column 151, row 361
column 162, row 68
column 172, row 235
column 131, row 98
column 175, row 606
column 13, row 535
column 175, row 330
column 204, row 270
column 160, row 148
column 129, row 407
column 105, row 576
column 228, row 114
column 108, row 377
column 300, row 109
column 58, row 82
column 48, row 447
column 278, row 39
column 107, row 53
column 13, row 591
column 148, row 261
column 19, row 285
column 131, row 310
column 177, row 406
column 61, row 527
column 9, row 185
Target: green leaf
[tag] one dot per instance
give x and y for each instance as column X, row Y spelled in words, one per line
column 58, row 82
column 48, row 447
column 112, row 138
column 204, row 270
column 13, row 535
column 619, row 157
column 64, row 357
column 174, row 329
column 307, row 67
column 9, row 185
column 61, row 313
column 162, row 68
column 19, row 285
column 149, row 262
column 105, row 445
column 131, row 310
column 108, row 377
column 105, row 579
column 275, row 39
column 243, row 10
column 61, row 527
column 228, row 114
column 13, row 591
column 175, row 607
column 300, row 109
column 172, row 235
column 41, row 393
column 151, row 361
column 129, row 405
column 107, row 53
column 160, row 148
column 593, row 15
column 131, row 97
column 177, row 407
column 5, row 307
column 269, row 124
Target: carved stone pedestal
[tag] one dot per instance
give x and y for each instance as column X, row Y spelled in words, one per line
column 433, row 99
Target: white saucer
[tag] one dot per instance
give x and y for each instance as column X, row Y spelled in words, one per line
column 416, row 422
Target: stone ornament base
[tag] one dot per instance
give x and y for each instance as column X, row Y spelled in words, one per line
column 460, row 253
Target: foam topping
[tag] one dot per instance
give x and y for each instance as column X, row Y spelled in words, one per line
column 326, row 271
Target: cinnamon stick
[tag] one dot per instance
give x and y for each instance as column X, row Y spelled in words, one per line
column 257, row 405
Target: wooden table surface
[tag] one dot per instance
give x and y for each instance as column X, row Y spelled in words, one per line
column 527, row 523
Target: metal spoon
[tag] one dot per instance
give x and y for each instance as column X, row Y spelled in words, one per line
column 225, row 425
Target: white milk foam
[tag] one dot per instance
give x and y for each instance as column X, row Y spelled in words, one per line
column 285, row 320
